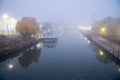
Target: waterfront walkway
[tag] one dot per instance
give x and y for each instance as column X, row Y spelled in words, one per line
column 109, row 46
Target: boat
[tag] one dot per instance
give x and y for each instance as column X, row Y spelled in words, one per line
column 49, row 36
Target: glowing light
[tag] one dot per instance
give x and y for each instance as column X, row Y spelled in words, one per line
column 88, row 41
column 101, row 52
column 5, row 16
column 103, row 30
column 38, row 45
column 13, row 20
column 85, row 28
column 119, row 69
column 10, row 66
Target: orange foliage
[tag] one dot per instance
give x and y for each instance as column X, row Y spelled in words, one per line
column 27, row 26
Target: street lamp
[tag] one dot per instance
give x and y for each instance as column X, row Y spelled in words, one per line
column 5, row 18
column 103, row 30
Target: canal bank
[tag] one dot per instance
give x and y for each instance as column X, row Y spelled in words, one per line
column 111, row 47
column 16, row 44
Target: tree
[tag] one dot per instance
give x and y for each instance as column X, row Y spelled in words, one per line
column 109, row 28
column 112, row 26
column 27, row 26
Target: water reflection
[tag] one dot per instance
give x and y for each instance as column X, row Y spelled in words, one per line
column 75, row 62
column 103, row 55
column 30, row 55
column 50, row 44
column 25, row 57
column 10, row 56
column 29, row 49
column 10, row 66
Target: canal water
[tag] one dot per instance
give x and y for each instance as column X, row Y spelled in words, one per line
column 71, row 57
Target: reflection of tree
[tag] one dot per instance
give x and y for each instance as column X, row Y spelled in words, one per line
column 29, row 56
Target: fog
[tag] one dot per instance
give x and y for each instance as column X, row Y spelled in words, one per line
column 67, row 12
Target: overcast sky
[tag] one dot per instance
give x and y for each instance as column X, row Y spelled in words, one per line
column 72, row 12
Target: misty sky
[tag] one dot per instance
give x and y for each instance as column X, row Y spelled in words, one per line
column 72, row 12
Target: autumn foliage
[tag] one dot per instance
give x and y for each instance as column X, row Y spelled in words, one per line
column 27, row 26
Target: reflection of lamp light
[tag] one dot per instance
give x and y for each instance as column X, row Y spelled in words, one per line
column 119, row 69
column 101, row 52
column 85, row 38
column 10, row 66
column 38, row 45
column 88, row 41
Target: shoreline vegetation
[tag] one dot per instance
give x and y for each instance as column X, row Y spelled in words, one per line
column 27, row 31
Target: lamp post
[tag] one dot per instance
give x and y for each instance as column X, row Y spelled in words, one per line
column 103, row 30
